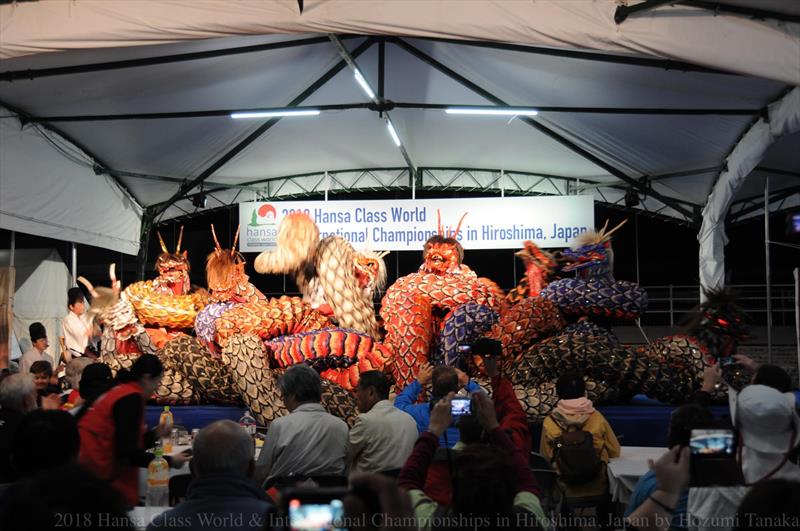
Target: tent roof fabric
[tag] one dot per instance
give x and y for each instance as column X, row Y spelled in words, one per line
column 618, row 111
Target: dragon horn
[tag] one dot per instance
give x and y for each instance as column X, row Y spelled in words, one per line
column 116, row 285
column 216, row 241
column 180, row 240
column 439, row 230
column 608, row 234
column 235, row 239
column 383, row 253
column 88, row 286
column 161, row 241
column 458, row 227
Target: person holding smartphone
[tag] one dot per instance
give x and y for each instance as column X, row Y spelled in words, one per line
column 444, row 380
column 492, row 484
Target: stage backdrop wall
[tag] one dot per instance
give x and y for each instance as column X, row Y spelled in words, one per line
column 404, row 225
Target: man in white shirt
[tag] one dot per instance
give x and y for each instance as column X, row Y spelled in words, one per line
column 309, row 442
column 37, row 351
column 383, row 436
column 76, row 328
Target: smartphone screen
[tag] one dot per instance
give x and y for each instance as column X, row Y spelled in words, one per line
column 713, row 458
column 712, row 443
column 460, row 406
column 311, row 515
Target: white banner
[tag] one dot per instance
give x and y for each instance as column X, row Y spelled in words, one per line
column 405, row 224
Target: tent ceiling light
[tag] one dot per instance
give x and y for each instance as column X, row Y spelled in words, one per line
column 274, row 114
column 393, row 133
column 492, row 112
column 364, row 85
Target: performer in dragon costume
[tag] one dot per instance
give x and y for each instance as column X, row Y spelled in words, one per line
column 167, row 304
column 416, row 305
column 332, row 277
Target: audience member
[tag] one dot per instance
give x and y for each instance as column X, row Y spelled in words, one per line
column 74, row 371
column 445, row 380
column 39, row 345
column 42, row 372
column 76, row 327
column 309, row 442
column 493, row 486
column 682, row 421
column 768, row 424
column 383, row 436
column 68, row 497
column 772, row 504
column 575, row 412
column 512, row 419
column 96, row 380
column 17, row 397
column 672, row 478
column 222, row 485
column 376, row 503
column 113, row 437
column 44, row 440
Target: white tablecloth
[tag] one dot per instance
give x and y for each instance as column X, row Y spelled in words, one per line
column 624, row 471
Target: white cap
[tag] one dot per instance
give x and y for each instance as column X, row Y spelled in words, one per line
column 767, row 419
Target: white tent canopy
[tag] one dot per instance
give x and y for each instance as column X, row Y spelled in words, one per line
column 42, row 281
column 654, row 105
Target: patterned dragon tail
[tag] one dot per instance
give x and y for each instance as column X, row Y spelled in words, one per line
column 298, row 237
column 246, row 355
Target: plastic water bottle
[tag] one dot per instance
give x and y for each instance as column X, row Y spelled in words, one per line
column 166, row 418
column 158, row 481
column 248, row 423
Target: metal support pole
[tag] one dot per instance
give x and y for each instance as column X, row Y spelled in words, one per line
column 74, row 264
column 767, row 268
column 13, row 247
column 502, row 183
column 671, row 308
column 797, row 311
column 413, row 183
column 636, row 243
column 327, row 184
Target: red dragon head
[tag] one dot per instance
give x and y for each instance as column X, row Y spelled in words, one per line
column 370, row 270
column 224, row 267
column 173, row 269
column 442, row 252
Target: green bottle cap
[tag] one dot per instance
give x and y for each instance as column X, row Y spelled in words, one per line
column 159, row 451
column 166, row 408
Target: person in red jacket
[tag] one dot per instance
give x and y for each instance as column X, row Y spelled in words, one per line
column 112, row 430
column 510, row 415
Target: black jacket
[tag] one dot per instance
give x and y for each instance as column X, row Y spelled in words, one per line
column 226, row 501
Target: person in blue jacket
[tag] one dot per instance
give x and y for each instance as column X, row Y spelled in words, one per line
column 445, row 380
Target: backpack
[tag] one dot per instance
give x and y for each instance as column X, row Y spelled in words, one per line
column 575, row 457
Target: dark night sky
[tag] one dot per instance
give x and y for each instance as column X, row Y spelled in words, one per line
column 667, row 252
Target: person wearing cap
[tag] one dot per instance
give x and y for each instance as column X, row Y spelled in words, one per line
column 769, row 432
column 76, row 328
column 37, row 352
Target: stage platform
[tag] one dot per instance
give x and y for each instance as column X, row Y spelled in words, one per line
column 643, row 422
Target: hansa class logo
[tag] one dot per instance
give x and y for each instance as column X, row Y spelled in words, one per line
column 263, row 215
column 262, row 230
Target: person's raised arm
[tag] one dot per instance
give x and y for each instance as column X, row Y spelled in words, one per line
column 672, row 478
column 509, row 411
column 415, row 470
column 523, row 479
column 408, row 396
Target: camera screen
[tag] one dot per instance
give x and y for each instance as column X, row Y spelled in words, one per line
column 316, row 516
column 460, row 406
column 464, row 348
column 712, row 443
